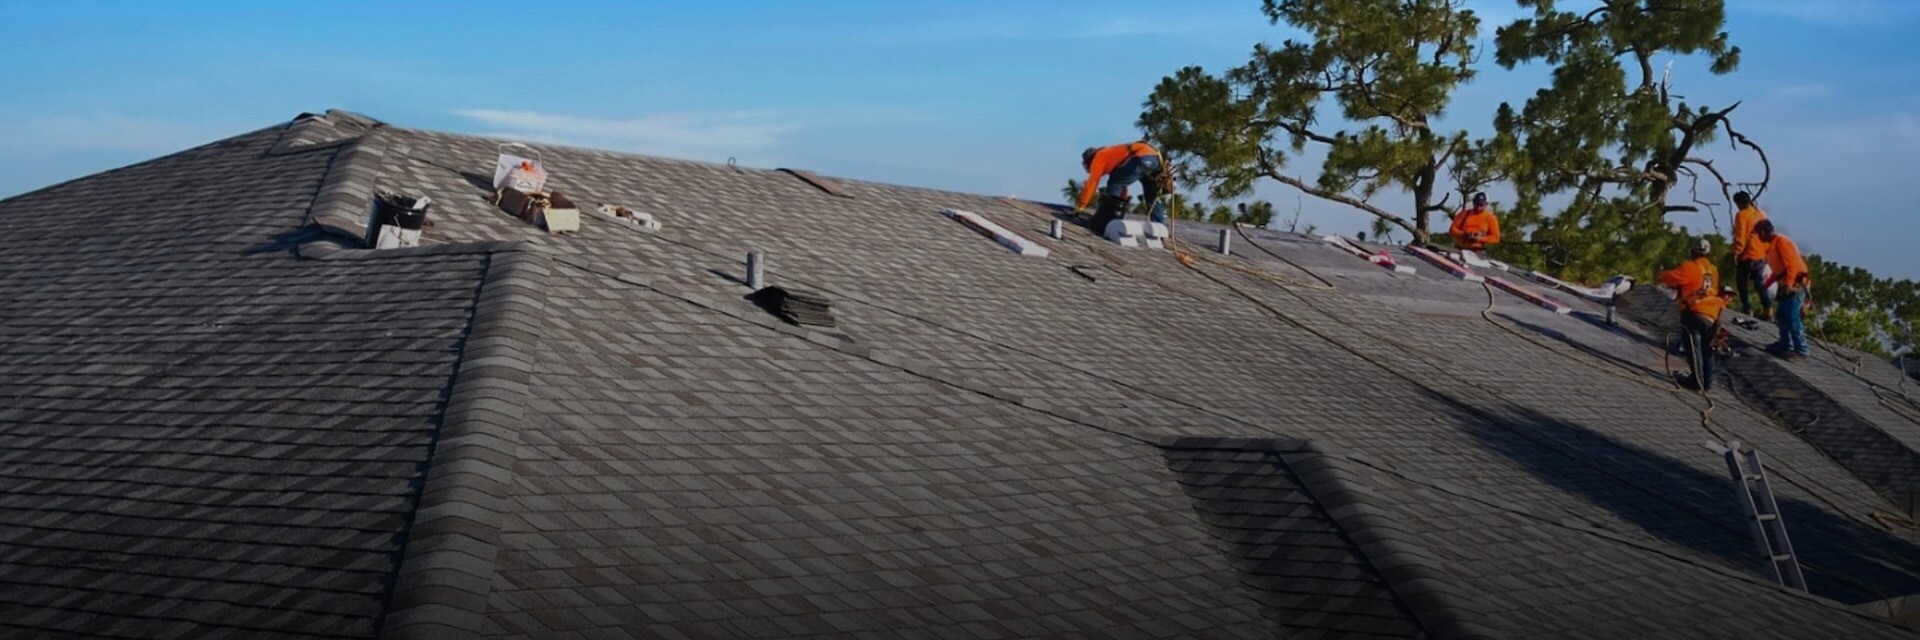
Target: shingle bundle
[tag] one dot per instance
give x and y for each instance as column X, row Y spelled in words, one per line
column 797, row 307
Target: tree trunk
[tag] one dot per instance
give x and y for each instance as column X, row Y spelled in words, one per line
column 1423, row 203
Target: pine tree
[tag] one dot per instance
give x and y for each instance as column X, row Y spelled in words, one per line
column 1387, row 68
column 1609, row 132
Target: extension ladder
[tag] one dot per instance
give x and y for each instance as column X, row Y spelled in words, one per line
column 1763, row 513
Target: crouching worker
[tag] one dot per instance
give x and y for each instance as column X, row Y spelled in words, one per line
column 1122, row 165
column 1475, row 228
column 1700, row 303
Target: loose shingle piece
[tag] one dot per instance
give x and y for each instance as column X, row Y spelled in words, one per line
column 797, row 307
column 220, row 416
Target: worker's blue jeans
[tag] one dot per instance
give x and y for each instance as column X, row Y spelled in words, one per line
column 1793, row 328
column 1750, row 274
column 1137, row 170
column 1699, row 332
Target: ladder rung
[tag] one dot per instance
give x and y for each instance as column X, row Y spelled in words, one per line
column 1783, row 557
column 1768, row 516
column 1753, row 477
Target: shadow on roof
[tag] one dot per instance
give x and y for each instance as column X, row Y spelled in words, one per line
column 1563, row 338
column 1845, row 559
column 285, row 241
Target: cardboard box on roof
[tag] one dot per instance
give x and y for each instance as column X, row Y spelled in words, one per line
column 554, row 212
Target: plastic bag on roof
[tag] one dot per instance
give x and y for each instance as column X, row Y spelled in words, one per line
column 522, row 173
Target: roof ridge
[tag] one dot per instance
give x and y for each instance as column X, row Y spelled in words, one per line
column 341, row 205
column 308, row 131
column 447, row 567
column 730, row 167
column 1410, row 571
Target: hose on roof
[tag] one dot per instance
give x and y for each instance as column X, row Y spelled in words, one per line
column 1826, row 344
column 1489, row 419
column 1270, row 309
column 1878, row 519
column 1186, row 258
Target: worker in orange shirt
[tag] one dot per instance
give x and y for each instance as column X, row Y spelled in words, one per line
column 1698, row 284
column 1750, row 255
column 1475, row 228
column 1790, row 272
column 1122, row 165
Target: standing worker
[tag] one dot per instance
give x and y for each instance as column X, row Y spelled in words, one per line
column 1790, row 271
column 1475, row 228
column 1122, row 165
column 1750, row 256
column 1698, row 284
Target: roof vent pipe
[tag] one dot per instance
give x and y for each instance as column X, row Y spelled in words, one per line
column 756, row 270
column 1226, row 242
column 1058, row 230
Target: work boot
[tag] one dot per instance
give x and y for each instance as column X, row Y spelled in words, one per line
column 1110, row 208
column 1766, row 313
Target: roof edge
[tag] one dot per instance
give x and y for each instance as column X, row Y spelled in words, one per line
column 446, row 571
column 1409, row 570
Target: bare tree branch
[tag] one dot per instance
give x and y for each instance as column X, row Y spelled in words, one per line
column 1766, row 167
column 1693, row 191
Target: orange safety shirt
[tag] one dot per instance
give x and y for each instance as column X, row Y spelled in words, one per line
column 1699, row 284
column 1471, row 221
column 1747, row 245
column 1784, row 257
column 1108, row 159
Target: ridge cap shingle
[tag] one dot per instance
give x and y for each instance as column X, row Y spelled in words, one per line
column 346, row 193
column 448, row 563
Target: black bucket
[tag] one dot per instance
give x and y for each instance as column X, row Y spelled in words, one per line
column 397, row 210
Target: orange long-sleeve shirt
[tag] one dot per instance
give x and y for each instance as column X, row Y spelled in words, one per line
column 1108, row 159
column 1471, row 221
column 1784, row 257
column 1699, row 284
column 1746, row 244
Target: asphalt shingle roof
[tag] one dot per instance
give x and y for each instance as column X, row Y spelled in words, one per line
column 198, row 435
column 507, row 433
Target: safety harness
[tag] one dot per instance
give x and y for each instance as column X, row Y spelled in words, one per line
column 1162, row 180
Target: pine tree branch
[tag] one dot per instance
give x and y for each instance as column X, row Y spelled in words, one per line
column 1293, row 128
column 1271, row 171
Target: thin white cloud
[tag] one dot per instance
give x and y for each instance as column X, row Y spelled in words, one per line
column 43, row 135
column 1807, row 90
column 1839, row 156
column 1135, row 27
column 712, row 135
column 1072, row 28
column 1836, row 13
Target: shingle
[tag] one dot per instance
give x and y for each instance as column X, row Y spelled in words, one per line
column 973, row 441
column 266, row 430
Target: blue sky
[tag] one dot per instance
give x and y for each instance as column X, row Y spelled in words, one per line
column 990, row 97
